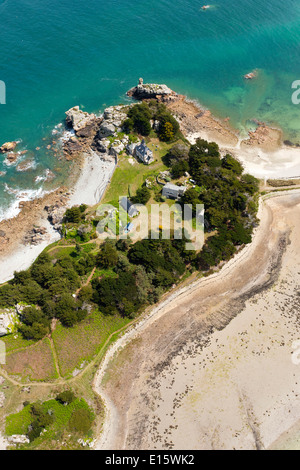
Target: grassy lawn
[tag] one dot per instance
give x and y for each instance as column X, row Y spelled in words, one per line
column 133, row 175
column 15, row 341
column 18, row 423
column 33, row 363
column 56, row 433
column 81, row 343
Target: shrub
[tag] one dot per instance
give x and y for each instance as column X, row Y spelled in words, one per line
column 81, row 421
column 66, row 397
column 73, row 215
column 142, row 195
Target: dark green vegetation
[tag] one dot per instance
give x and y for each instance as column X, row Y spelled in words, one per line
column 144, row 271
column 51, row 419
column 127, row 277
column 77, row 227
column 229, row 196
column 142, row 196
column 48, row 287
column 140, row 117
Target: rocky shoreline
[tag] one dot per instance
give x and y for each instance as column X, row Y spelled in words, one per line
column 91, row 139
column 92, row 144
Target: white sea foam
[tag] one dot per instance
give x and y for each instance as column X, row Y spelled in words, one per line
column 58, row 129
column 20, row 195
column 48, row 175
column 67, row 135
column 27, row 165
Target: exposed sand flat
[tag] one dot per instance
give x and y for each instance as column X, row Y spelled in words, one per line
column 212, row 369
column 282, row 163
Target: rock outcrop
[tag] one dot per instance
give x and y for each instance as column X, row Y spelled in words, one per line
column 85, row 126
column 115, row 115
column 80, row 121
column 8, row 147
column 35, row 236
column 84, row 230
column 97, row 133
column 18, row 439
column 72, row 148
column 102, row 145
column 151, row 91
column 107, row 129
column 106, row 140
column 8, row 319
column 55, row 216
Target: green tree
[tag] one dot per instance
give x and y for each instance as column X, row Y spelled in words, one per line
column 167, row 132
column 73, row 215
column 142, row 196
column 81, row 421
column 66, row 397
column 107, row 256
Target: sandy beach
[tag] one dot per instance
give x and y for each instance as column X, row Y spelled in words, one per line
column 281, row 163
column 93, row 179
column 23, row 256
column 94, row 176
column 211, row 368
column 263, row 153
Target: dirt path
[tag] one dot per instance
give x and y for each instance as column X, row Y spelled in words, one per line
column 159, row 378
column 87, row 281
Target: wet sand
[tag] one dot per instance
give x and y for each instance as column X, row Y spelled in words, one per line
column 212, row 368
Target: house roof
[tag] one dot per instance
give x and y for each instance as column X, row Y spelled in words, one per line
column 143, row 149
column 128, row 206
column 174, row 187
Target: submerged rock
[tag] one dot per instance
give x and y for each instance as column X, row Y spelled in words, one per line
column 12, row 157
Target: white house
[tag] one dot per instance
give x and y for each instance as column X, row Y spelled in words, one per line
column 172, row 191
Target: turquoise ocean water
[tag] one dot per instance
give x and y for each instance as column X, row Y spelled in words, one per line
column 57, row 54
